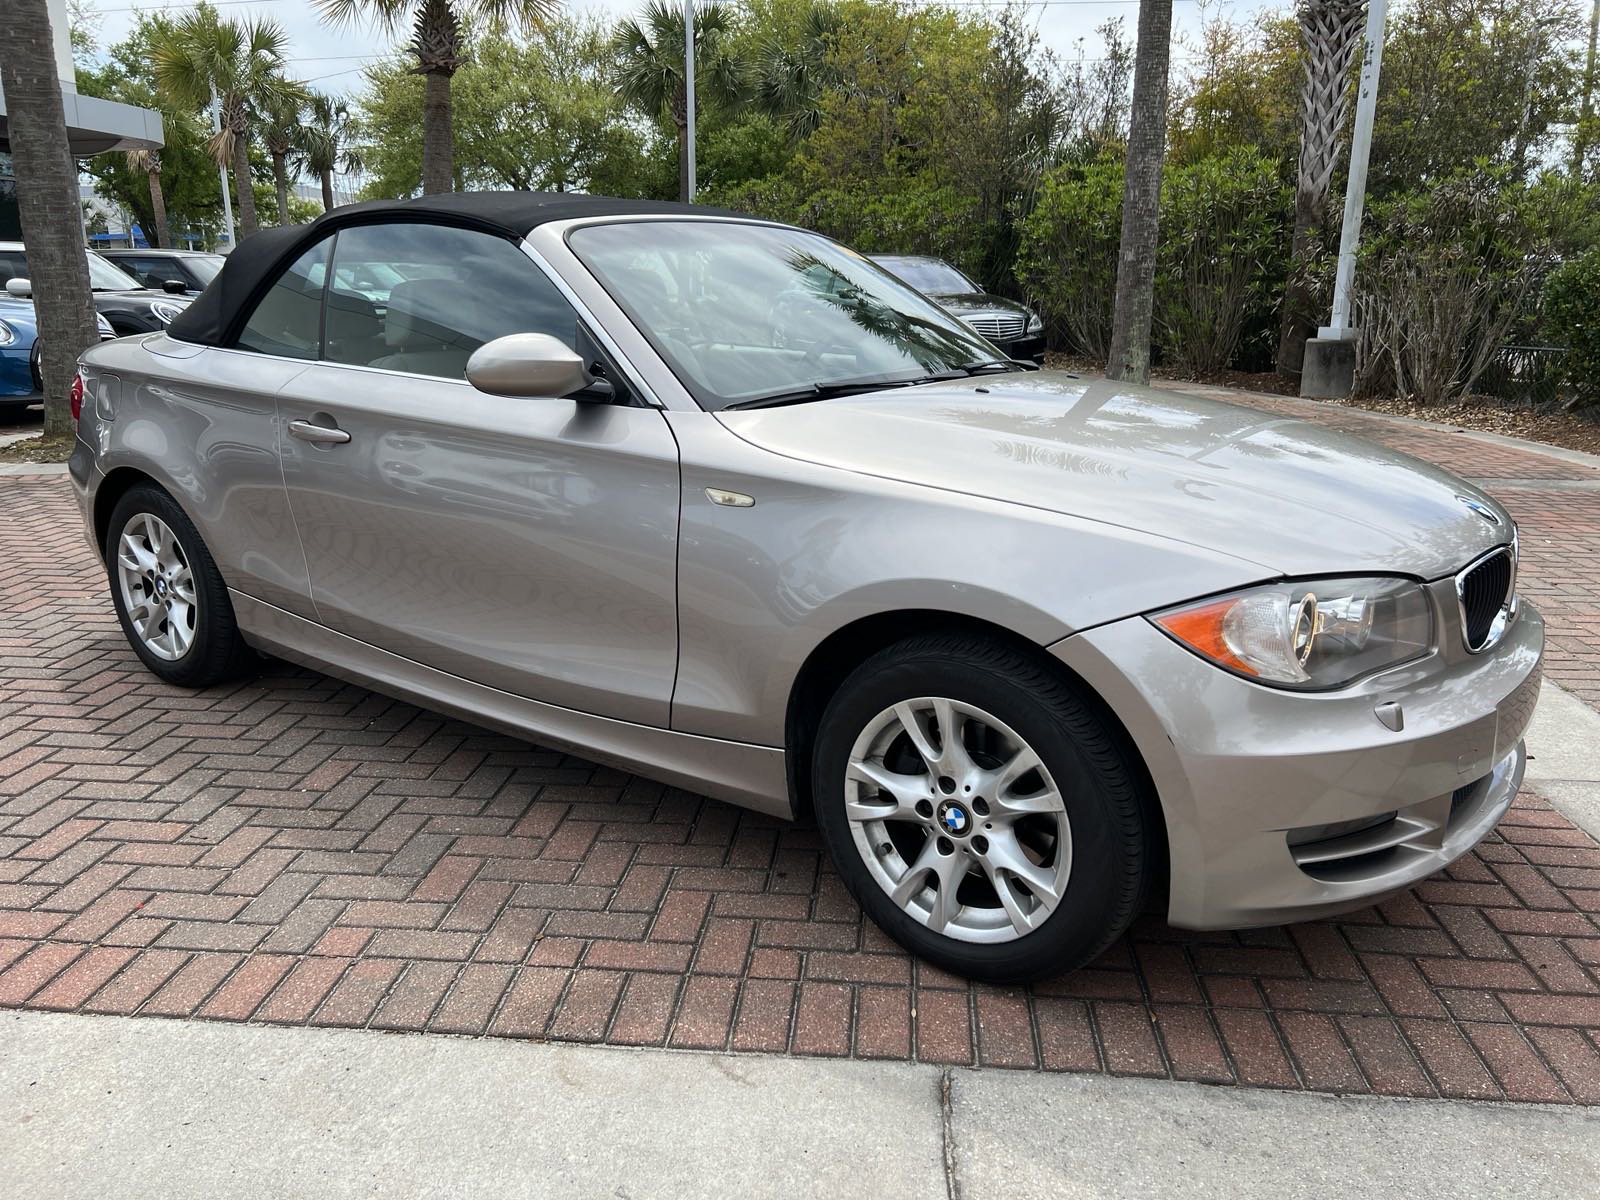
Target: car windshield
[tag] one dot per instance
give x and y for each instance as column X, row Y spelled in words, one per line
column 103, row 277
column 931, row 276
column 204, row 266
column 745, row 312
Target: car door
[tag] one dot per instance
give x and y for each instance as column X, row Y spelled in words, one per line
column 526, row 544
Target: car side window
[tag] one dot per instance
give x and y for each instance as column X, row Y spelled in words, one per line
column 153, row 272
column 287, row 321
column 422, row 298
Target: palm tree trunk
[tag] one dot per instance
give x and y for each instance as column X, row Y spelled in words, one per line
column 327, row 191
column 438, row 138
column 1141, row 197
column 280, row 179
column 158, row 206
column 47, row 202
column 241, row 184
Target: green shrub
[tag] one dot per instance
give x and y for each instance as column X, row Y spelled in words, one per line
column 1444, row 274
column 1572, row 319
column 1067, row 262
column 1223, row 253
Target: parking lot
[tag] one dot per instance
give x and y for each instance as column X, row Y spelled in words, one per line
column 295, row 850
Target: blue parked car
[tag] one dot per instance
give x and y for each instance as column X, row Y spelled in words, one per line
column 20, row 382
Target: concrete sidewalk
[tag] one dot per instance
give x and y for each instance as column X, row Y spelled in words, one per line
column 132, row 1108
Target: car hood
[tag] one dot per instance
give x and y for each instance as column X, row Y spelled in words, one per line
column 1288, row 495
column 978, row 302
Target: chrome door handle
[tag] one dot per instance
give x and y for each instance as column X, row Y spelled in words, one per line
column 322, row 435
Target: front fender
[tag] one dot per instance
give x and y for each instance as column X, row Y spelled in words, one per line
column 761, row 587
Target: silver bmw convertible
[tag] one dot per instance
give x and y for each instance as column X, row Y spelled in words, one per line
column 718, row 500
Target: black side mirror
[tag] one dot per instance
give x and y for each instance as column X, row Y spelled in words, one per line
column 175, row 287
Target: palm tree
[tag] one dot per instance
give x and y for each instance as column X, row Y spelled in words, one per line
column 280, row 126
column 47, row 203
column 202, row 56
column 436, row 41
column 649, row 68
column 324, row 144
column 791, row 79
column 149, row 162
column 1141, row 195
column 1331, row 34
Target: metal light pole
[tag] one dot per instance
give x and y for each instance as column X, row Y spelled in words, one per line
column 1355, row 194
column 222, row 171
column 688, row 89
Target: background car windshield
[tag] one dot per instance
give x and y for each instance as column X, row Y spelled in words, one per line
column 103, row 277
column 742, row 312
column 931, row 276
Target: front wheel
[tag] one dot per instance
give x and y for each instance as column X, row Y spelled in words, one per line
column 980, row 812
column 170, row 598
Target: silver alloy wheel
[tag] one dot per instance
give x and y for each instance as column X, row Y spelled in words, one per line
column 958, row 820
column 158, row 590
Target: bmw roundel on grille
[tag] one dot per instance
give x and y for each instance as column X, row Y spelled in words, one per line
column 1479, row 507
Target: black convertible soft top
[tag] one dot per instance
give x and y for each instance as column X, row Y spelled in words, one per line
column 214, row 317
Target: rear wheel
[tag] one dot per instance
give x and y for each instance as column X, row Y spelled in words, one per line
column 980, row 812
column 169, row 596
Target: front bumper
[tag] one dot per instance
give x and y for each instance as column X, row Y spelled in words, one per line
column 1284, row 806
column 1029, row 348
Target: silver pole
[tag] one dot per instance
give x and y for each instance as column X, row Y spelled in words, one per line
column 688, row 87
column 222, row 171
column 1355, row 194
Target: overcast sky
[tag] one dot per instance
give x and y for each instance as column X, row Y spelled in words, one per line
column 332, row 58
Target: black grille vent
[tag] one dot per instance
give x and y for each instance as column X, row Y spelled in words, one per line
column 1485, row 589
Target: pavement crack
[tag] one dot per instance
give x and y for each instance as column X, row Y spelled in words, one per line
column 952, row 1186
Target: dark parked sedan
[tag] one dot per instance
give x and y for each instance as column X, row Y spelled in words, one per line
column 117, row 295
column 168, row 270
column 1013, row 327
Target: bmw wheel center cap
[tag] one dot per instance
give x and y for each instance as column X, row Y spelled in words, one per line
column 954, row 819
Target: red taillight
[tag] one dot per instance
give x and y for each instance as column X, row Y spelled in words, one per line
column 77, row 396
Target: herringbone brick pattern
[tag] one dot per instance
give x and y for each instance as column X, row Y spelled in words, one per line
column 292, row 849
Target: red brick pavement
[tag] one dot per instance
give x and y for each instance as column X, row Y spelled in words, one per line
column 295, row 850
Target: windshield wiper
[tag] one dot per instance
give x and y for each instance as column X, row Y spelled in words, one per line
column 997, row 365
column 824, row 391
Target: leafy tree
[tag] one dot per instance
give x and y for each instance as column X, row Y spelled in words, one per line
column 792, row 73
column 202, row 55
column 538, row 113
column 1097, row 94
column 1473, row 79
column 183, row 171
column 325, row 144
column 1131, row 315
column 648, row 67
column 437, row 42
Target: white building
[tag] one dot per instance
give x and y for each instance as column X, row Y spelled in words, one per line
column 93, row 125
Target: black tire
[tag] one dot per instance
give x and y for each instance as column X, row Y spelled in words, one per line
column 217, row 651
column 1110, row 860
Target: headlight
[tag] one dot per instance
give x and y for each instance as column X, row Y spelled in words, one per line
column 104, row 326
column 1035, row 325
column 7, row 334
column 1310, row 635
column 165, row 311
